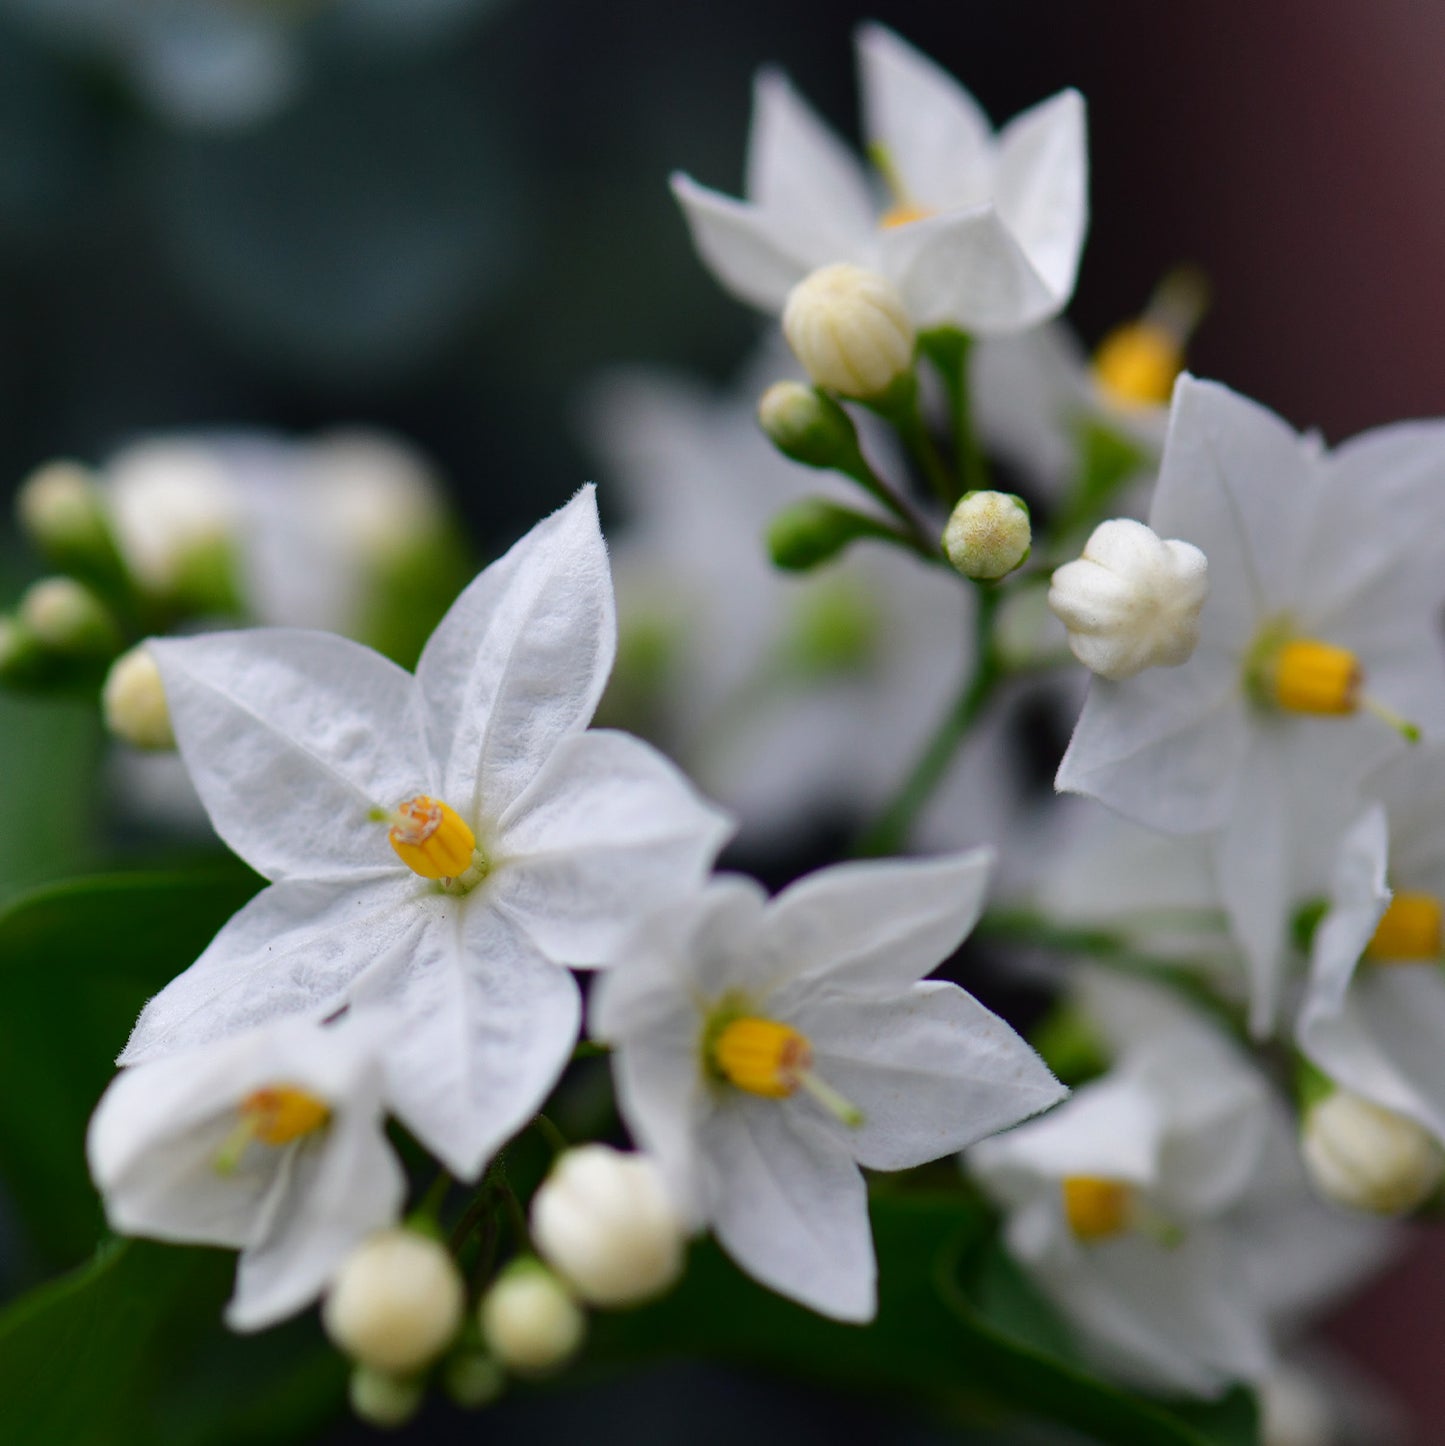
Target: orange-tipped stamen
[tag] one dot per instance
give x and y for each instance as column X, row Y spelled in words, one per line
column 774, row 1060
column 276, row 1115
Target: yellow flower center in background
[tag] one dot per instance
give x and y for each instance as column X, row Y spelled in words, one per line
column 1096, row 1208
column 1137, row 363
column 431, row 838
column 1409, row 930
column 276, row 1115
column 904, row 213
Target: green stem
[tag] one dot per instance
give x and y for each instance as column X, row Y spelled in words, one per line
column 557, row 1142
column 948, row 349
column 916, row 526
column 890, row 833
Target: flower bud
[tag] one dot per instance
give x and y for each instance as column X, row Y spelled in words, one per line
column 66, row 617
column 808, row 426
column 1369, row 1158
column 22, row 659
column 133, row 701
column 383, row 1401
column 396, row 1303
column 1132, row 600
column 529, row 1322
column 850, row 330
column 988, row 535
column 473, row 1379
column 60, row 508
column 604, row 1222
column 810, row 532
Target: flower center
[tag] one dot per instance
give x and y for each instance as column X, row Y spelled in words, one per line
column 1409, row 931
column 431, row 838
column 1097, row 1208
column 774, row 1060
column 276, row 1115
column 904, row 209
column 1136, row 364
column 904, row 213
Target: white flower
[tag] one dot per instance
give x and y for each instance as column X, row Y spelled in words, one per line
column 271, row 1143
column 1322, row 565
column 983, row 232
column 1163, row 1208
column 1131, row 600
column 766, row 1049
column 1373, row 1016
column 396, row 1302
column 442, row 844
column 604, row 1222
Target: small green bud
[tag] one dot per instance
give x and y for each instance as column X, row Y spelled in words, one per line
column 808, row 426
column 66, row 617
column 473, row 1379
column 383, row 1401
column 835, row 629
column 988, row 535
column 61, row 510
column 814, row 531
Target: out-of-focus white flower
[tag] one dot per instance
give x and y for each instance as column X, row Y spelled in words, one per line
column 988, row 535
column 270, row 1143
column 133, row 701
column 604, row 1222
column 529, row 1322
column 1368, row 1158
column 766, row 1049
column 1131, row 601
column 1374, row 1010
column 849, row 330
column 443, row 844
column 1322, row 568
column 1163, row 1208
column 396, row 1302
column 983, row 232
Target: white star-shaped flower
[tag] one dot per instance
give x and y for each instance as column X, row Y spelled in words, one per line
column 982, row 232
column 271, row 1143
column 765, row 1050
column 1163, row 1208
column 1324, row 588
column 1373, row 1016
column 443, row 844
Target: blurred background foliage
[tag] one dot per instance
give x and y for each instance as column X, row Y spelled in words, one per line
column 444, row 217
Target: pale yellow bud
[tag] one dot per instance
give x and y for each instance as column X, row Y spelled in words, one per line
column 529, row 1322
column 133, row 701
column 67, row 617
column 1369, row 1158
column 988, row 535
column 850, row 330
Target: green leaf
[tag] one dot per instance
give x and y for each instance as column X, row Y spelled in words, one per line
column 957, row 1328
column 77, row 962
column 129, row 1351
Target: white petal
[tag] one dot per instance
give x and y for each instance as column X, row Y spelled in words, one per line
column 520, row 660
column 485, row 1028
column 607, row 832
column 938, row 139
column 788, row 1204
column 966, row 269
column 291, row 737
column 876, row 925
column 801, row 174
column 756, row 256
column 1163, row 748
column 933, row 1072
column 1359, row 896
column 295, row 949
column 1041, row 188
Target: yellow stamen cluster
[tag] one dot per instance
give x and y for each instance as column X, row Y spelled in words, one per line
column 275, row 1115
column 762, row 1056
column 431, row 838
column 1137, row 363
column 1314, row 677
column 904, row 214
column 1409, row 931
column 1097, row 1208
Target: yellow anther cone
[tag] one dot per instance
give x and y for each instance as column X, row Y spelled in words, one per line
column 1409, row 930
column 1097, row 1208
column 1137, row 364
column 431, row 838
column 762, row 1056
column 1315, row 677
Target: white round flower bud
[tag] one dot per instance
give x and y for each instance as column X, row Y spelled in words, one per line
column 172, row 502
column 59, row 506
column 383, row 1401
column 604, row 1222
column 988, row 535
column 133, row 701
column 529, row 1322
column 1132, row 600
column 66, row 616
column 850, row 330
column 396, row 1303
column 1369, row 1158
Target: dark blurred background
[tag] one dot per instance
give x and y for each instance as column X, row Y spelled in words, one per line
column 448, row 234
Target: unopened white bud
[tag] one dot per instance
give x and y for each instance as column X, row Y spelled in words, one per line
column 988, row 535
column 1369, row 1158
column 133, row 701
column 1132, row 600
column 529, row 1322
column 604, row 1222
column 396, row 1303
column 173, row 507
column 1293, row 1411
column 384, row 1401
column 59, row 506
column 66, row 616
column 850, row 330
